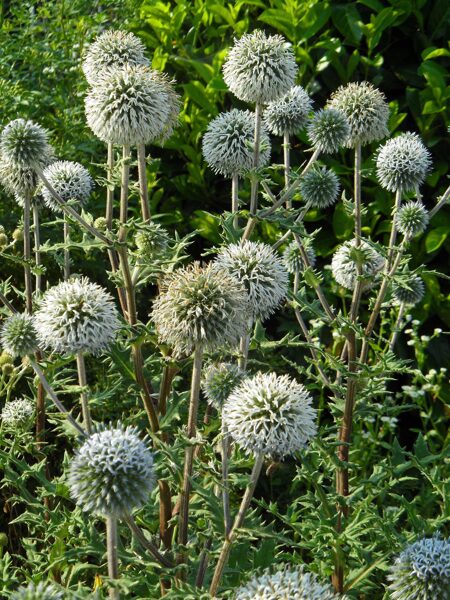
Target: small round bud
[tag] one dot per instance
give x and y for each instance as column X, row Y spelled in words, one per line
column 18, row 335
column 409, row 292
column 402, row 163
column 25, row 144
column 7, row 369
column 152, row 242
column 219, row 381
column 319, row 187
column 345, row 262
column 17, row 235
column 41, row 591
column 70, row 180
column 101, row 224
column 3, row 239
column 328, row 130
column 18, row 414
column 5, row 358
column 288, row 114
column 293, row 258
column 412, row 218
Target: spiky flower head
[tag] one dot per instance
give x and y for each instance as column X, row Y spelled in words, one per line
column 18, row 335
column 129, row 106
column 76, row 315
column 348, row 258
column 228, row 143
column 293, row 259
column 366, row 110
column 328, row 130
column 260, row 68
column 18, row 414
column 289, row 113
column 70, row 180
column 409, row 292
column 112, row 49
column 319, row 187
column 22, row 181
column 40, row 591
column 412, row 218
column 261, row 271
column 422, row 571
column 112, row 473
column 200, row 306
column 402, row 163
column 219, row 380
column 25, row 144
column 286, row 582
column 153, row 241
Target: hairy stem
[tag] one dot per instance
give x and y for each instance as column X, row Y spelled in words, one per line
column 146, row 543
column 287, row 165
column 109, row 212
column 84, row 398
column 256, row 153
column 37, row 248
column 235, row 199
column 225, row 490
column 66, row 249
column 143, row 184
column 27, row 254
column 397, row 326
column 113, row 562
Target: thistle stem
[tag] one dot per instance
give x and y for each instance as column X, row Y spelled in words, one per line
column 225, row 490
column 143, row 184
column 84, row 399
column 256, row 153
column 235, row 199
column 66, row 249
column 287, row 164
column 27, row 254
column 243, row 350
column 113, row 562
column 146, row 543
column 397, row 326
column 37, row 248
column 109, row 213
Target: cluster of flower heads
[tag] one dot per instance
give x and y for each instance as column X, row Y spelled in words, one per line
column 319, row 187
column 40, row 591
column 293, row 258
column 289, row 113
column 219, row 380
column 409, row 292
column 403, row 163
column 18, row 414
column 70, row 180
column 18, row 335
column 348, row 259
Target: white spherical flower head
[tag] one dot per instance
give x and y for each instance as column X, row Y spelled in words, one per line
column 260, row 68
column 219, row 381
column 112, row 473
column 293, row 259
column 25, row 144
column 129, row 106
column 77, row 316
column 18, row 335
column 328, row 130
column 41, row 591
column 319, row 187
column 270, row 414
column 18, row 414
column 287, row 582
column 366, row 110
column 261, row 271
column 70, row 180
column 402, row 163
column 288, row 114
column 412, row 218
column 422, row 571
column 348, row 257
column 113, row 49
column 409, row 292
column 200, row 306
column 228, row 143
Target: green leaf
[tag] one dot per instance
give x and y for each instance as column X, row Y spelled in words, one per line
column 436, row 238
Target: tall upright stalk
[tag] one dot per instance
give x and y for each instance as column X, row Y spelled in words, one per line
column 143, row 184
column 287, row 165
column 37, row 248
column 66, row 249
column 84, row 398
column 235, row 198
column 109, row 211
column 398, row 323
column 27, row 254
column 225, row 490
column 256, row 153
column 113, row 562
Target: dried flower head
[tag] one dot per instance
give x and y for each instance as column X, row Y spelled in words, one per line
column 200, row 306
column 293, row 258
column 18, row 335
column 422, row 571
column 25, row 144
column 219, row 380
column 41, row 591
column 112, row 49
column 18, row 414
column 366, row 110
column 260, row 68
column 328, row 130
column 270, row 414
column 152, row 242
column 402, row 163
column 409, row 292
column 77, row 315
column 289, row 113
column 229, row 140
column 112, row 473
column 70, row 180
column 319, row 187
column 348, row 258
column 412, row 218
column 261, row 271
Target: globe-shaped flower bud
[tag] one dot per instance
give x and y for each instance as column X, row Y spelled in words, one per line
column 422, row 571
column 129, row 106
column 70, row 180
column 328, row 130
column 283, row 583
column 77, row 315
column 409, row 292
column 18, row 335
column 112, row 473
column 200, row 306
column 261, row 271
column 270, row 414
column 293, row 259
column 41, row 591
column 412, row 218
column 22, row 181
column 112, row 49
column 229, row 140
column 289, row 113
column 25, row 144
column 219, row 381
column 348, row 258
column 153, row 241
column 260, row 68
column 402, row 163
column 319, row 187
column 366, row 110
column 18, row 414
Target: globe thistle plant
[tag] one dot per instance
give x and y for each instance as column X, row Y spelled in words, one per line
column 18, row 335
column 112, row 49
column 366, row 110
column 412, row 218
column 77, row 316
column 18, row 414
column 328, row 130
column 219, row 381
column 25, row 144
column 228, row 143
column 260, row 68
column 112, row 473
column 40, row 591
column 293, row 259
column 422, row 571
column 409, row 292
column 288, row 114
column 260, row 270
column 402, row 163
column 270, row 414
column 345, row 262
column 70, row 180
column 319, row 187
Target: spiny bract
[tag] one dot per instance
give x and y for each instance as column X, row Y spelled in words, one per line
column 25, row 144
column 18, row 414
column 328, row 130
column 41, row 591
column 412, row 218
column 18, row 335
column 402, row 163
column 219, row 380
column 409, row 292
column 70, row 180
column 346, row 258
column 270, row 414
column 293, row 259
column 289, row 113
column 319, row 187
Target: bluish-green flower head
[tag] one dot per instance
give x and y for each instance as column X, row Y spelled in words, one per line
column 412, row 218
column 319, row 187
column 288, row 114
column 25, row 144
column 328, row 130
column 18, row 335
column 403, row 163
